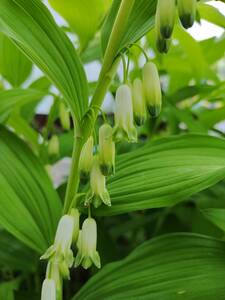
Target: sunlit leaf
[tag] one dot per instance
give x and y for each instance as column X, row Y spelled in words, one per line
column 32, row 28
column 165, row 172
column 177, row 266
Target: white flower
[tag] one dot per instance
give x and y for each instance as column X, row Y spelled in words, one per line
column 139, row 105
column 106, row 150
column 87, row 242
column 124, row 123
column 48, row 291
column 152, row 89
column 187, row 12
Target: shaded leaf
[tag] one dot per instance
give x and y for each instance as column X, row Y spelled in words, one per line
column 15, row 98
column 216, row 216
column 30, row 208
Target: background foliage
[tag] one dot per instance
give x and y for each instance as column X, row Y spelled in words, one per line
column 163, row 236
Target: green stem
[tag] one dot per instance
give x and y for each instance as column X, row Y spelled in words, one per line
column 108, row 71
column 74, row 177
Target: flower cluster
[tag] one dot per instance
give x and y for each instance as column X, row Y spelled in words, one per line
column 60, row 255
column 165, row 19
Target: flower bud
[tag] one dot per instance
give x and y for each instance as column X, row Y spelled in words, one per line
column 87, row 254
column 106, row 150
column 86, row 157
column 162, row 44
column 53, row 146
column 61, row 249
column 187, row 12
column 139, row 105
column 64, row 116
column 48, row 291
column 152, row 89
column 98, row 192
column 124, row 123
column 76, row 216
column 165, row 17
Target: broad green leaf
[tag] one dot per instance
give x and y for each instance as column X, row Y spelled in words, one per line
column 216, row 216
column 177, row 266
column 14, row 66
column 141, row 20
column 14, row 255
column 32, row 28
column 165, row 172
column 15, row 98
column 211, row 14
column 83, row 16
column 30, row 207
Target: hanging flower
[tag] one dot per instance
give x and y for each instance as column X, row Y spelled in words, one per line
column 98, row 193
column 87, row 242
column 139, row 105
column 152, row 89
column 124, row 124
column 106, row 150
column 48, row 291
column 76, row 217
column 86, row 157
column 187, row 12
column 61, row 249
column 165, row 17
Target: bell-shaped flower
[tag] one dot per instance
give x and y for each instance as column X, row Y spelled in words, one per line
column 53, row 146
column 165, row 17
column 87, row 243
column 48, row 291
column 106, row 150
column 98, row 193
column 86, row 158
column 139, row 105
column 61, row 249
column 187, row 12
column 152, row 89
column 64, row 116
column 124, row 122
column 53, row 273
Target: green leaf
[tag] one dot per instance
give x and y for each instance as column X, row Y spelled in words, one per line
column 83, row 17
column 141, row 20
column 165, row 172
column 7, row 289
column 32, row 28
column 30, row 207
column 216, row 216
column 14, row 255
column 177, row 266
column 211, row 14
column 14, row 66
column 12, row 99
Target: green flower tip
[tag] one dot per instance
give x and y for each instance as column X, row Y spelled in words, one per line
column 87, row 242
